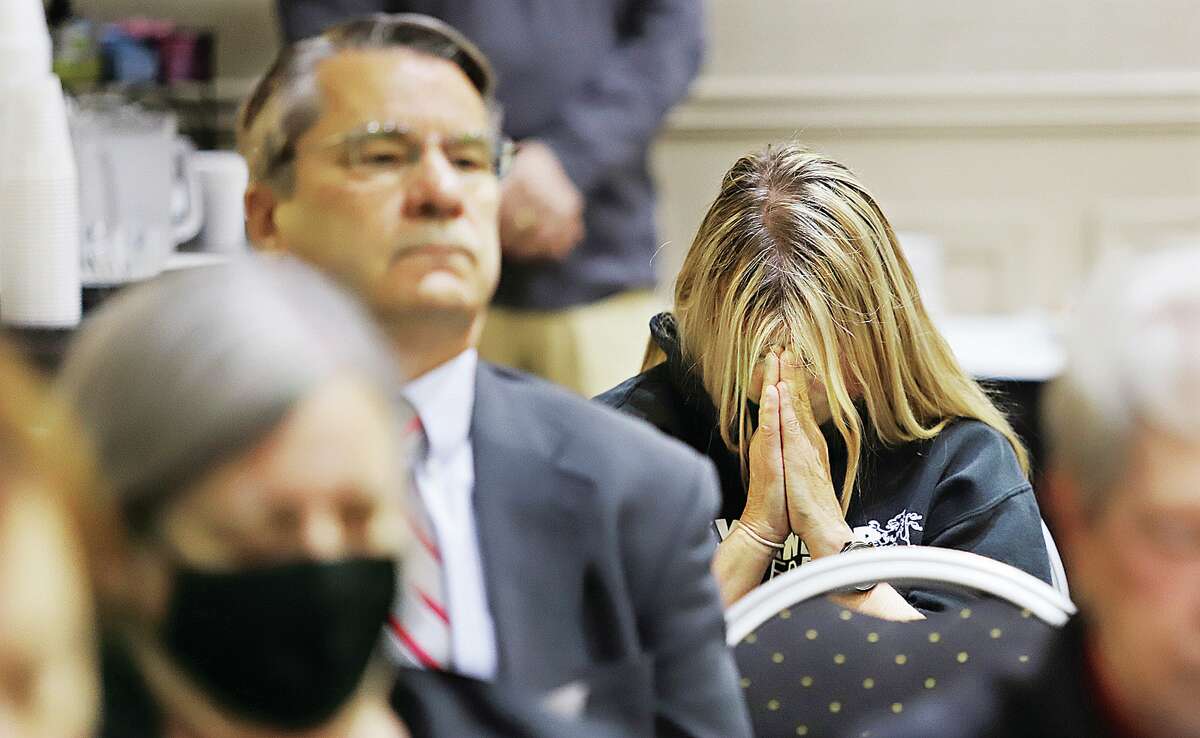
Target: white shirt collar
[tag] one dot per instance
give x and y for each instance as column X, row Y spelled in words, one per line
column 444, row 399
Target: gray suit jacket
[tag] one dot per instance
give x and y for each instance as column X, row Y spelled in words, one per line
column 594, row 534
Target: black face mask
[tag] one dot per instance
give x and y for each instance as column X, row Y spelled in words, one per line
column 282, row 645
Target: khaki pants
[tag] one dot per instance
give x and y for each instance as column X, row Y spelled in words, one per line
column 587, row 349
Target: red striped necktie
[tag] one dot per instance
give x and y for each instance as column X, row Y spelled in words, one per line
column 420, row 625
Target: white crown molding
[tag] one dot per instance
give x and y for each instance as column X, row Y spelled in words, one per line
column 726, row 103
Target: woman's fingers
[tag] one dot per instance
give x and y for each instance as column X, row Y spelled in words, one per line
column 767, row 443
column 766, row 505
column 814, row 512
column 794, row 409
column 796, row 377
column 768, row 405
column 768, row 411
column 791, row 426
column 800, row 433
column 766, row 446
column 770, row 369
column 792, row 372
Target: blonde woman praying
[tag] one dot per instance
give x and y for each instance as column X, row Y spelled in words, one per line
column 800, row 359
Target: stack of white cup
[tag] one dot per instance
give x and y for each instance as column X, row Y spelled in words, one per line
column 24, row 40
column 39, row 199
column 223, row 179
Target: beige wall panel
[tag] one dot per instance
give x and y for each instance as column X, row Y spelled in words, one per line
column 1131, row 225
column 823, row 38
column 1020, row 214
column 1027, row 137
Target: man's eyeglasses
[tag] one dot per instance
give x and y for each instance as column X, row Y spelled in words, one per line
column 380, row 148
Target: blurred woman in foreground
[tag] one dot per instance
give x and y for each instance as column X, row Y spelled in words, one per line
column 48, row 679
column 246, row 419
column 800, row 359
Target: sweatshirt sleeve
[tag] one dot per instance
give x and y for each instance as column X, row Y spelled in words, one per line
column 984, row 504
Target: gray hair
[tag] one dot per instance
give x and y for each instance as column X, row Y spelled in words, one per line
column 286, row 102
column 175, row 376
column 1133, row 360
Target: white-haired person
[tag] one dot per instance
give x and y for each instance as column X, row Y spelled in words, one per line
column 800, row 358
column 1123, row 489
column 245, row 422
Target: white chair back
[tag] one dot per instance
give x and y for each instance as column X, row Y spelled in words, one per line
column 1058, row 572
column 900, row 565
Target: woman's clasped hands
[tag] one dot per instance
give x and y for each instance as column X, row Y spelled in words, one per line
column 790, row 489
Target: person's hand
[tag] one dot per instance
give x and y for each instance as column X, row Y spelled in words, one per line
column 814, row 513
column 766, row 512
column 541, row 210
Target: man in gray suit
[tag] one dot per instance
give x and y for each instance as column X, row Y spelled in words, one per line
column 567, row 548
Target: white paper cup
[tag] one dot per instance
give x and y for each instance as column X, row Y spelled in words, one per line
column 39, row 201
column 39, row 253
column 23, row 59
column 223, row 178
column 23, row 28
column 36, row 141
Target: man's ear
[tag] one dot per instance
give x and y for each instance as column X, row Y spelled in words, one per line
column 260, row 202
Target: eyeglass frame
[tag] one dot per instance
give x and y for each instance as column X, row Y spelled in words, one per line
column 503, row 148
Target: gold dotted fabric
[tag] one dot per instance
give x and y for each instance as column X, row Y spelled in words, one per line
column 818, row 669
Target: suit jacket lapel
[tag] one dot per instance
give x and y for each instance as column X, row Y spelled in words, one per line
column 529, row 515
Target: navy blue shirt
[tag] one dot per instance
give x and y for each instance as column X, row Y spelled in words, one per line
column 593, row 79
column 963, row 489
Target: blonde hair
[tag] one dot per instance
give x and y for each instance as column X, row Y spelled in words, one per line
column 795, row 253
column 41, row 444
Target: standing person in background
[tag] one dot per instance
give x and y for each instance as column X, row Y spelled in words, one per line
column 1123, row 489
column 49, row 685
column 584, row 85
column 564, row 556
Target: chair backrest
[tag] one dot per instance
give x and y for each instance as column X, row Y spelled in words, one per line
column 811, row 667
column 899, row 565
column 1058, row 572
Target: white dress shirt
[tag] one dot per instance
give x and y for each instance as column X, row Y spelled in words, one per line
column 444, row 399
